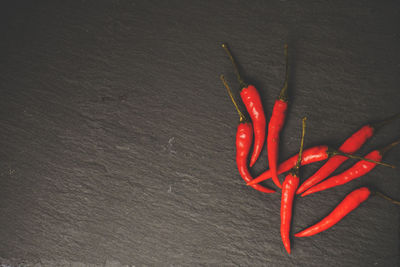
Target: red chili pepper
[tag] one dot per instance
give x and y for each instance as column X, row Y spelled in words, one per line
column 349, row 203
column 275, row 126
column 357, row 170
column 310, row 155
column 351, row 145
column 288, row 192
column 252, row 101
column 244, row 138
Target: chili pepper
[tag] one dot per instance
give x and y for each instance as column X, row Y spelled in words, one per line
column 351, row 145
column 252, row 101
column 244, row 136
column 289, row 187
column 349, row 203
column 357, row 170
column 310, row 155
column 275, row 126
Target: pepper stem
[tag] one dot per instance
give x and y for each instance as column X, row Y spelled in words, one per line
column 283, row 94
column 387, row 198
column 241, row 115
column 334, row 152
column 382, row 123
column 303, row 132
column 235, row 66
column 388, row 147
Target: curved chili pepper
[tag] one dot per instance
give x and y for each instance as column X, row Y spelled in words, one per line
column 289, row 187
column 252, row 101
column 244, row 138
column 351, row 145
column 349, row 203
column 310, row 155
column 275, row 126
column 357, row 170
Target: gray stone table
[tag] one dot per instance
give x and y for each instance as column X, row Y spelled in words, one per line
column 117, row 136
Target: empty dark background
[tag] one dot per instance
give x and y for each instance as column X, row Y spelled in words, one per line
column 117, row 136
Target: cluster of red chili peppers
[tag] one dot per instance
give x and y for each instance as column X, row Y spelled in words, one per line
column 317, row 182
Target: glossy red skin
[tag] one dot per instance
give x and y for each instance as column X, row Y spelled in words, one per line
column 349, row 203
column 351, row 145
column 244, row 138
column 252, row 100
column 310, row 155
column 288, row 192
column 359, row 169
column 274, row 128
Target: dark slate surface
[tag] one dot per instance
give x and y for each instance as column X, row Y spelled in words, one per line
column 117, row 137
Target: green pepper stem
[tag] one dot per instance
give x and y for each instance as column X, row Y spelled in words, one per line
column 303, row 133
column 388, row 147
column 387, row 198
column 235, row 66
column 334, row 152
column 382, row 123
column 241, row 115
column 283, row 94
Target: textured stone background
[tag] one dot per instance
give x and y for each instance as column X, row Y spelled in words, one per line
column 117, row 137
